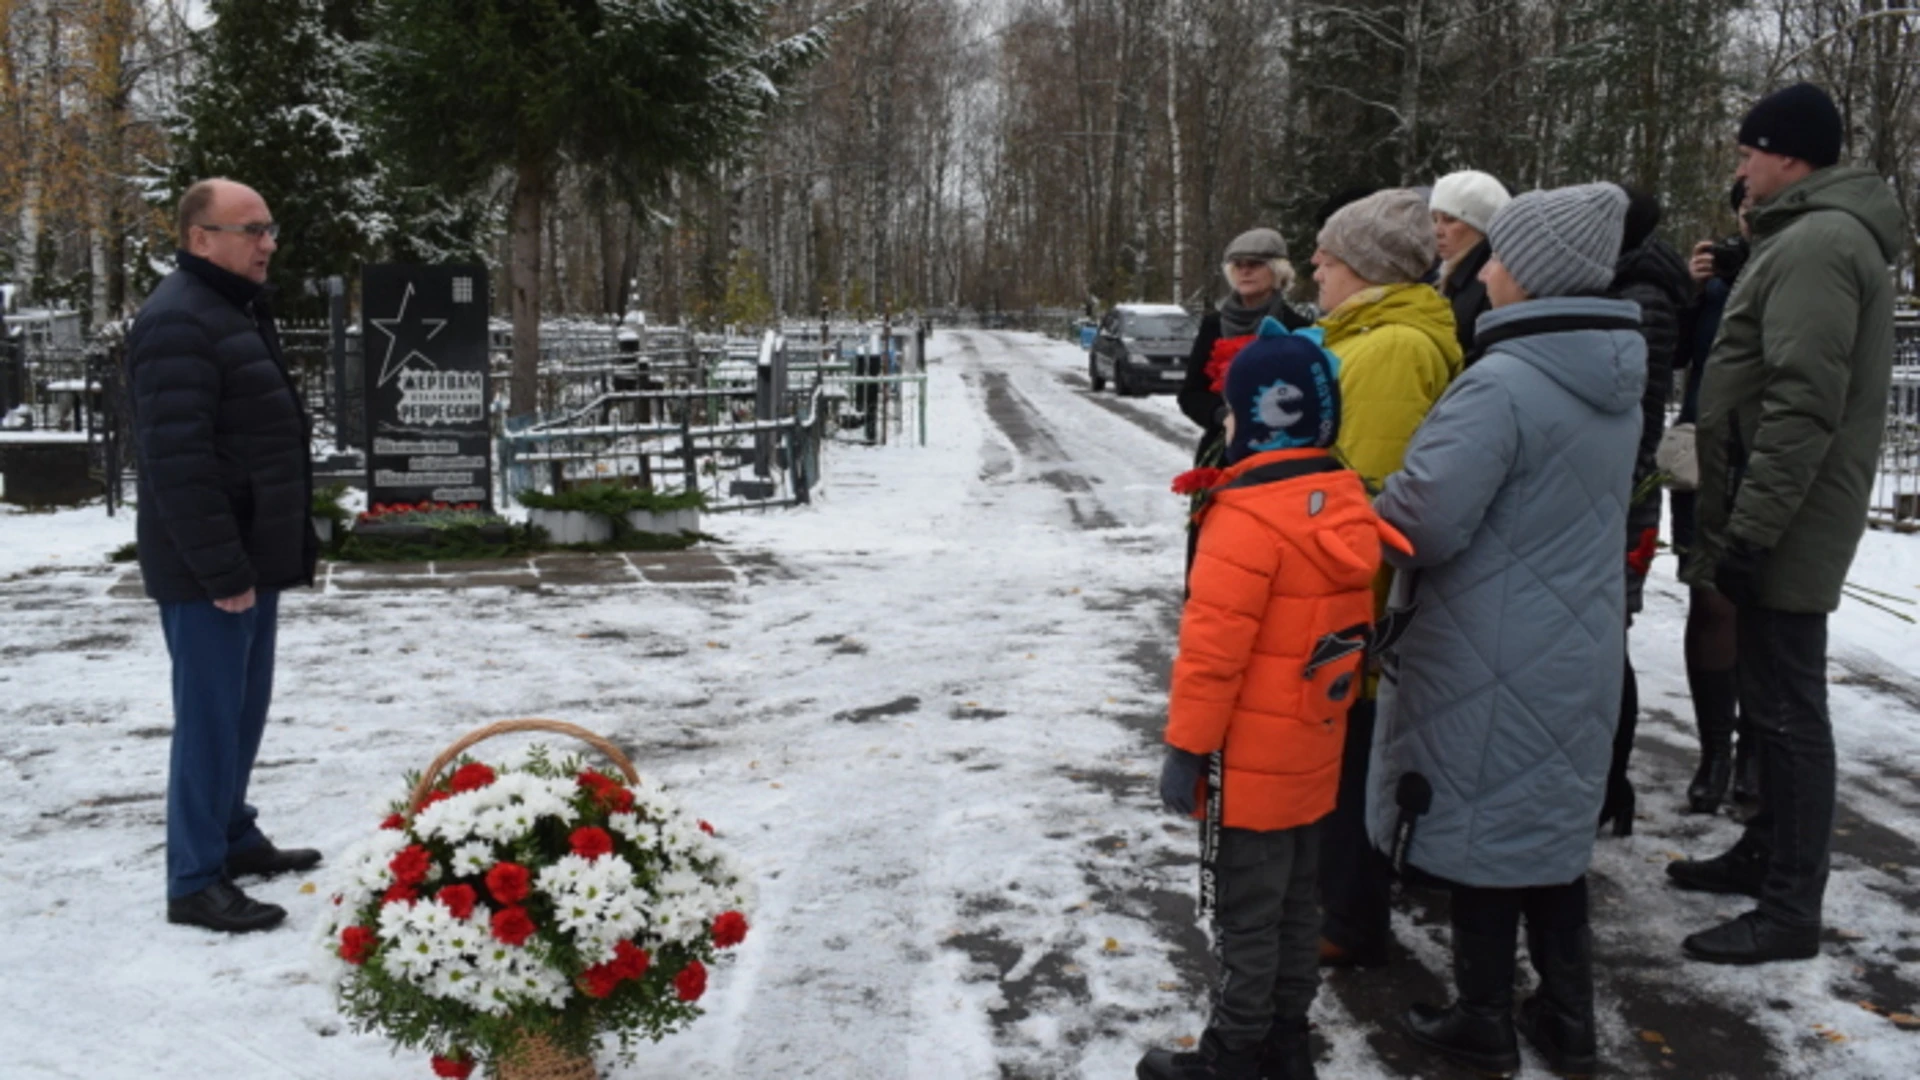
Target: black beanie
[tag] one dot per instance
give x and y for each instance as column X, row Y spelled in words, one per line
column 1643, row 216
column 1799, row 122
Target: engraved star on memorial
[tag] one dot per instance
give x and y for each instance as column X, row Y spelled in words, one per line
column 398, row 330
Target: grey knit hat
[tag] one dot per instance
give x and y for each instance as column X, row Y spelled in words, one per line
column 1385, row 237
column 1257, row 244
column 1562, row 242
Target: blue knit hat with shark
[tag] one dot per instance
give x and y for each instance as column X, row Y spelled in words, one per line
column 1284, row 390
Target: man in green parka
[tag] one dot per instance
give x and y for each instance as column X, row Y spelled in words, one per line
column 1793, row 407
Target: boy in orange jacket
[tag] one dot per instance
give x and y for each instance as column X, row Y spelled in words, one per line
column 1272, row 643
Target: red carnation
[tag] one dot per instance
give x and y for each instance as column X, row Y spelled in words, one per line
column 591, row 843
column 355, row 943
column 691, row 982
column 460, row 900
column 512, row 925
column 706, row 828
column 411, row 865
column 393, row 821
column 1640, row 559
column 399, row 894
column 434, row 796
column 1194, row 481
column 599, row 980
column 458, row 1067
column 729, row 929
column 472, row 777
column 508, row 882
column 630, row 961
column 1221, row 358
column 622, row 801
column 595, row 781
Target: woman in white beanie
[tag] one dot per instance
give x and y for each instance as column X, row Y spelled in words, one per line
column 1463, row 205
column 1394, row 337
column 1502, row 695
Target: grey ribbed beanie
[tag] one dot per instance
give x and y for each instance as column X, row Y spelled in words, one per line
column 1385, row 237
column 1562, row 242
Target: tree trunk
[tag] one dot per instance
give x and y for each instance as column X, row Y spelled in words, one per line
column 1173, row 149
column 529, row 196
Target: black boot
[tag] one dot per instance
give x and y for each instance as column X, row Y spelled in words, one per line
column 1286, row 1054
column 1714, row 702
column 1477, row 1029
column 1210, row 1062
column 1558, row 1019
column 1617, row 807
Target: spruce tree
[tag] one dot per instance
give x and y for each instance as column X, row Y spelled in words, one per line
column 631, row 90
column 276, row 108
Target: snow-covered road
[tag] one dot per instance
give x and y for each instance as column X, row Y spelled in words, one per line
column 927, row 716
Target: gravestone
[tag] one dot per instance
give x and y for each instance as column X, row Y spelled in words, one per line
column 424, row 346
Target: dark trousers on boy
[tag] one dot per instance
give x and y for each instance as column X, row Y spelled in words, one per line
column 222, row 685
column 1266, row 926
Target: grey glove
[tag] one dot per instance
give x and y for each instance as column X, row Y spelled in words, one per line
column 1180, row 774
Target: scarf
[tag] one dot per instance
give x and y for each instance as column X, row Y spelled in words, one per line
column 1239, row 320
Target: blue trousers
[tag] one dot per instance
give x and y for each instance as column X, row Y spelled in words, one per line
column 222, row 684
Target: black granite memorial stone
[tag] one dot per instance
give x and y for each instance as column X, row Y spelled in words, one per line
column 427, row 384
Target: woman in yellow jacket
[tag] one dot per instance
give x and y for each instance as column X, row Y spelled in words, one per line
column 1398, row 352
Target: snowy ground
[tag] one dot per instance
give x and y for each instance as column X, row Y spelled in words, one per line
column 927, row 715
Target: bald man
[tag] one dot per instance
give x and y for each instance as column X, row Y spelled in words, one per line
column 226, row 487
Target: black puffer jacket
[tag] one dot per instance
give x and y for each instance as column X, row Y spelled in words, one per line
column 226, row 483
column 1468, row 294
column 1654, row 276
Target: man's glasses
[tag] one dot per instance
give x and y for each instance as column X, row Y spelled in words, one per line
column 254, row 229
column 1249, row 264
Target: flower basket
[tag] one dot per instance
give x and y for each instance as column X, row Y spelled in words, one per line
column 507, row 916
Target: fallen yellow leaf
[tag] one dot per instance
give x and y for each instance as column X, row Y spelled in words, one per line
column 1111, row 945
column 308, row 889
column 1184, row 1042
column 1170, row 986
column 1905, row 1020
column 1653, row 1037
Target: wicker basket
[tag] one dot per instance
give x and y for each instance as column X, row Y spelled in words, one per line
column 534, row 1057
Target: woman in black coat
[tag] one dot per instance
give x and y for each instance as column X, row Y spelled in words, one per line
column 1652, row 274
column 1256, row 267
column 1463, row 204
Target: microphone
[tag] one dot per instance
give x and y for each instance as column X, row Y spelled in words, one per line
column 1414, row 796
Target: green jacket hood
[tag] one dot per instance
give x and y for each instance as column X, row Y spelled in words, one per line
column 1845, row 188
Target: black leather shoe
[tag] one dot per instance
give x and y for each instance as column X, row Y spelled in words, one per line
column 1740, row 871
column 265, row 860
column 1753, row 938
column 222, row 906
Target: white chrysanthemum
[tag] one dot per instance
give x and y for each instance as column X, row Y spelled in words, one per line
column 627, row 825
column 473, row 858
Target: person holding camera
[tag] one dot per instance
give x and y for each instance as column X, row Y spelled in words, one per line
column 1793, row 408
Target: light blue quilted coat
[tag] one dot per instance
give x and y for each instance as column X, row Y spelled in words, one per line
column 1505, row 690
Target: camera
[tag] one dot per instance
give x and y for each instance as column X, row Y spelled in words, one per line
column 1729, row 256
